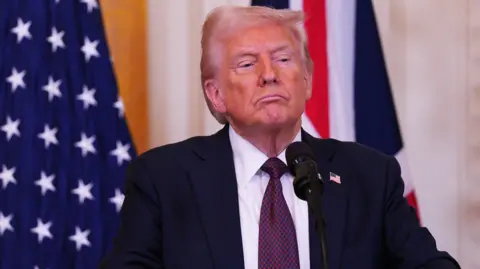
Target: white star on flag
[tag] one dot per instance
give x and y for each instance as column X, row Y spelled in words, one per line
column 91, row 4
column 49, row 136
column 119, row 105
column 121, row 152
column 89, row 49
column 86, row 144
column 83, row 191
column 42, row 230
column 22, row 30
column 11, row 128
column 45, row 183
column 87, row 97
column 117, row 200
column 16, row 79
column 7, row 176
column 56, row 39
column 53, row 88
column 80, row 238
column 5, row 224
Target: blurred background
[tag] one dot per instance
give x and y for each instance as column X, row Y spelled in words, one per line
column 432, row 55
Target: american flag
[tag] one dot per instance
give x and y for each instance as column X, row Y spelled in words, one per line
column 64, row 141
column 335, row 178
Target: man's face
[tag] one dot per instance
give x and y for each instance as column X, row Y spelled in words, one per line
column 262, row 81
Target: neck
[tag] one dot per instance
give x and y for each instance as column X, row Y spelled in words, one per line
column 272, row 140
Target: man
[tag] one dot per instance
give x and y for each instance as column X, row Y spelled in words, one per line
column 227, row 201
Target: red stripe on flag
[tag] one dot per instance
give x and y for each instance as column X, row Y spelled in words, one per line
column 317, row 107
column 412, row 200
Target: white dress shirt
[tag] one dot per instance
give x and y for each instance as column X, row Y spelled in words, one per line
column 251, row 183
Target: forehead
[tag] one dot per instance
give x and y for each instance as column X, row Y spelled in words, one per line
column 261, row 38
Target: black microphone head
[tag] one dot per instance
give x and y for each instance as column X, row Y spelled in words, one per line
column 301, row 163
column 298, row 151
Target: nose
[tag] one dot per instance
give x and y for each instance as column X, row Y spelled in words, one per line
column 268, row 73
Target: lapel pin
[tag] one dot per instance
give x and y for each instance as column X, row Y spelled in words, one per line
column 335, row 178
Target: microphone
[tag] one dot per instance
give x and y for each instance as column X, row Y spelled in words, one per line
column 308, row 186
column 300, row 161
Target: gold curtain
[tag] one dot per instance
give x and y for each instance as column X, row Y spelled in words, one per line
column 125, row 22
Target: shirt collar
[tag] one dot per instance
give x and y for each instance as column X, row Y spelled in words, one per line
column 247, row 158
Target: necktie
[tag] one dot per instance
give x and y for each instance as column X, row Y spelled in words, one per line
column 277, row 241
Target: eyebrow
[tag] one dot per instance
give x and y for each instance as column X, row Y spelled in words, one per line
column 246, row 51
column 282, row 48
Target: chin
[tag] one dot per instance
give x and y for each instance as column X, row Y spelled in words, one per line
column 276, row 121
column 275, row 117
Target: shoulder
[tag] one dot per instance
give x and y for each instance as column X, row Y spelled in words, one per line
column 186, row 153
column 351, row 151
column 171, row 153
column 163, row 168
column 361, row 160
column 368, row 171
column 362, row 154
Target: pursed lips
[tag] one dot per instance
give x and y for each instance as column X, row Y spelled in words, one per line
column 271, row 97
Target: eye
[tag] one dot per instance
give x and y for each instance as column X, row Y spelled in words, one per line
column 283, row 59
column 245, row 64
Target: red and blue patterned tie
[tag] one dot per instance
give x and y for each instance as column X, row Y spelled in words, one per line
column 277, row 240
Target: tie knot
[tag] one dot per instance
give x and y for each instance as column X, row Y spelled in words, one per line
column 275, row 168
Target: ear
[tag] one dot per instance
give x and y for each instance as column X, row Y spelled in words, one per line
column 214, row 94
column 308, row 84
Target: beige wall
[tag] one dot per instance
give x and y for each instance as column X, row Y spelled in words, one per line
column 432, row 49
column 177, row 109
column 433, row 52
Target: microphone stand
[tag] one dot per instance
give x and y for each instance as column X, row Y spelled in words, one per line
column 314, row 199
column 308, row 185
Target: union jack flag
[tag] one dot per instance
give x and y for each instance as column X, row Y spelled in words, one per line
column 64, row 141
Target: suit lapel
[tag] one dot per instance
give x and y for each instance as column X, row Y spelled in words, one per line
column 215, row 187
column 334, row 202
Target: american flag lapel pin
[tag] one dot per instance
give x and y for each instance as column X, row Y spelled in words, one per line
column 335, row 178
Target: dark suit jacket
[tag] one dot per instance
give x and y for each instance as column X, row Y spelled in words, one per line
column 181, row 210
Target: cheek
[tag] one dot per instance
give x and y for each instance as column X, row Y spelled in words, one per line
column 239, row 92
column 296, row 85
column 243, row 85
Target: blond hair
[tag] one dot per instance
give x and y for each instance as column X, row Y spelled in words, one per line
column 227, row 19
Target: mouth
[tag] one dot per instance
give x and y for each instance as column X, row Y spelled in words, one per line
column 271, row 98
